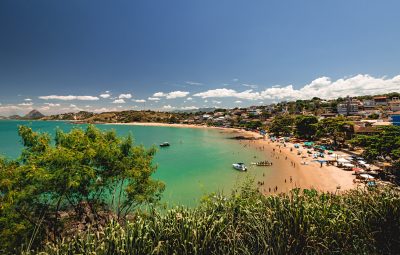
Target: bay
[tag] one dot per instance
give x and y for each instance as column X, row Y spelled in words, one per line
column 198, row 162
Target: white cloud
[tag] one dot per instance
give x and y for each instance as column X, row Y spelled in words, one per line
column 253, row 86
column 126, row 96
column 168, row 107
column 14, row 109
column 159, row 94
column 171, row 95
column 139, row 100
column 194, row 83
column 26, row 104
column 52, row 105
column 119, row 101
column 75, row 107
column 69, row 98
column 322, row 87
column 189, row 108
column 44, row 108
column 28, row 99
column 105, row 95
column 217, row 93
column 104, row 109
column 153, row 99
column 177, row 94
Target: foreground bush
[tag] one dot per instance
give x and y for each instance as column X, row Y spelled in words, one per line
column 303, row 222
column 82, row 177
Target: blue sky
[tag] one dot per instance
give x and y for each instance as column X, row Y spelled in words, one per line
column 62, row 55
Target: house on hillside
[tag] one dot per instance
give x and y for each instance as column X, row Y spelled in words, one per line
column 368, row 104
column 254, row 112
column 380, row 101
column 349, row 107
column 394, row 104
column 364, row 128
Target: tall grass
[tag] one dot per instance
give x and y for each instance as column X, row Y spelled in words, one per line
column 302, row 222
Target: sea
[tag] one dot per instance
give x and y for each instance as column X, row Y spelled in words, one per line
column 198, row 162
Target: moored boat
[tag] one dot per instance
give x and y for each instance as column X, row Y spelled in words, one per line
column 164, row 144
column 239, row 166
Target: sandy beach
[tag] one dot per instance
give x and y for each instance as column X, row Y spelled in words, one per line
column 289, row 172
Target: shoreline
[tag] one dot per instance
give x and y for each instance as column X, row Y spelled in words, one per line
column 288, row 171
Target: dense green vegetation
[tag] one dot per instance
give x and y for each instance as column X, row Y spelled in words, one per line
column 339, row 129
column 384, row 146
column 82, row 194
column 83, row 177
column 381, row 145
column 305, row 126
column 303, row 222
column 282, row 125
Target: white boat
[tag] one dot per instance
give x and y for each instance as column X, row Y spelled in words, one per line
column 239, row 166
column 164, row 144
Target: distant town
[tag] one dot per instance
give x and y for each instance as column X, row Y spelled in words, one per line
column 366, row 112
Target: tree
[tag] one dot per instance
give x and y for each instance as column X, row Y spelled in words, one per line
column 305, row 126
column 339, row 129
column 282, row 125
column 87, row 172
column 384, row 144
column 253, row 124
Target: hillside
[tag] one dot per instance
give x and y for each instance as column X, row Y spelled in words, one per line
column 82, row 115
column 33, row 115
column 121, row 117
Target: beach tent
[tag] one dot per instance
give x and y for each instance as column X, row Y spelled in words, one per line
column 348, row 165
column 308, row 144
column 343, row 161
column 334, row 155
column 367, row 176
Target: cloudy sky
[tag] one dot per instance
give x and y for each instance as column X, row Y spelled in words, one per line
column 182, row 54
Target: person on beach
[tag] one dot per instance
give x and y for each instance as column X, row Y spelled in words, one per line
column 290, row 179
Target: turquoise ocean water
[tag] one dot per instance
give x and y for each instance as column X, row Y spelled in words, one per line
column 199, row 161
